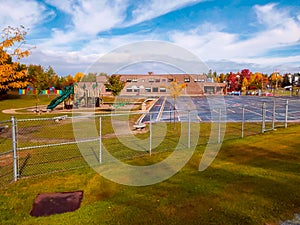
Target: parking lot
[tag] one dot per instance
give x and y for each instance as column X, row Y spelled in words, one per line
column 230, row 108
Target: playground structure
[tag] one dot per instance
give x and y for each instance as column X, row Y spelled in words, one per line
column 66, row 94
column 74, row 97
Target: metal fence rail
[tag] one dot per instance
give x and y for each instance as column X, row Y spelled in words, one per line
column 32, row 147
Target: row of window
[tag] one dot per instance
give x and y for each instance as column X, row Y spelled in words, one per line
column 158, row 80
column 150, row 80
column 147, row 89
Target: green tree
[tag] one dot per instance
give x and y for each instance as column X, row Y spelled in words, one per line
column 12, row 73
column 285, row 80
column 90, row 77
column 50, row 73
column 114, row 84
column 38, row 79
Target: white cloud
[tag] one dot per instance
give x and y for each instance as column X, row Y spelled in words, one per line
column 153, row 8
column 27, row 13
column 90, row 17
column 216, row 44
column 77, row 45
column 269, row 16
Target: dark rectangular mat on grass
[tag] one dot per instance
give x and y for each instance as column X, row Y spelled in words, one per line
column 55, row 203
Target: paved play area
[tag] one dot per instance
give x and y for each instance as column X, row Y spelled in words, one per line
column 208, row 108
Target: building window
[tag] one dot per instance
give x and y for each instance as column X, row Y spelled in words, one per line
column 162, row 89
column 143, row 80
column 157, row 80
column 163, row 80
column 170, row 80
column 134, row 80
column 148, row 89
column 187, row 80
column 136, row 90
column 129, row 89
column 128, row 80
column 209, row 90
column 198, row 80
column 155, row 89
column 151, row 80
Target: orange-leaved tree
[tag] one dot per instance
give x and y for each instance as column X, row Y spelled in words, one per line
column 13, row 74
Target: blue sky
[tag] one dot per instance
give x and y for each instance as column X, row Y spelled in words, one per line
column 228, row 35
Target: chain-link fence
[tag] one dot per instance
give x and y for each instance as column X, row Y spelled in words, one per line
column 38, row 146
column 6, row 153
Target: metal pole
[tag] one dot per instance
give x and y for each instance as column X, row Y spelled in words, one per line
column 189, row 129
column 263, row 127
column 150, row 127
column 243, row 121
column 14, row 147
column 170, row 115
column 100, row 139
column 219, row 127
column 286, row 113
column 274, row 114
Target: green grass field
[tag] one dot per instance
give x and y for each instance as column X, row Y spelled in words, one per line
column 254, row 180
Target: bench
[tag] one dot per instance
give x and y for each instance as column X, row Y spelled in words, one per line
column 139, row 126
column 59, row 118
column 3, row 128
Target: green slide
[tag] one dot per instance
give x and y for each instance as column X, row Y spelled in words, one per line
column 55, row 102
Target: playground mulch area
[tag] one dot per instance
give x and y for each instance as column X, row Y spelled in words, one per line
column 55, row 203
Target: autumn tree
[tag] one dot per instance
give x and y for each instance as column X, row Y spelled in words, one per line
column 245, row 73
column 68, row 80
column 232, row 81
column 12, row 73
column 245, row 84
column 275, row 79
column 175, row 91
column 257, row 80
column 78, row 77
column 57, row 81
column 221, row 78
column 114, row 84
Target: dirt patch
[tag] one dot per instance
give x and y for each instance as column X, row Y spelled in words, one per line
column 6, row 160
column 55, row 203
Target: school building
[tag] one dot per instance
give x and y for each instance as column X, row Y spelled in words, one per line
column 158, row 85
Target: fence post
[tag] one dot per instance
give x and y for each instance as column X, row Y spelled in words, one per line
column 263, row 127
column 286, row 113
column 219, row 126
column 150, row 138
column 243, row 121
column 100, row 139
column 189, row 129
column 14, row 147
column 274, row 114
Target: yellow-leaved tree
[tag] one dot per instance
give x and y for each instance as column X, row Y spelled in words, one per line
column 13, row 74
column 176, row 90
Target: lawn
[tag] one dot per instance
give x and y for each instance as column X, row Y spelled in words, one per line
column 15, row 101
column 254, row 180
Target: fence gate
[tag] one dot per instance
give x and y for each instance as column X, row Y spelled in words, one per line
column 275, row 114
